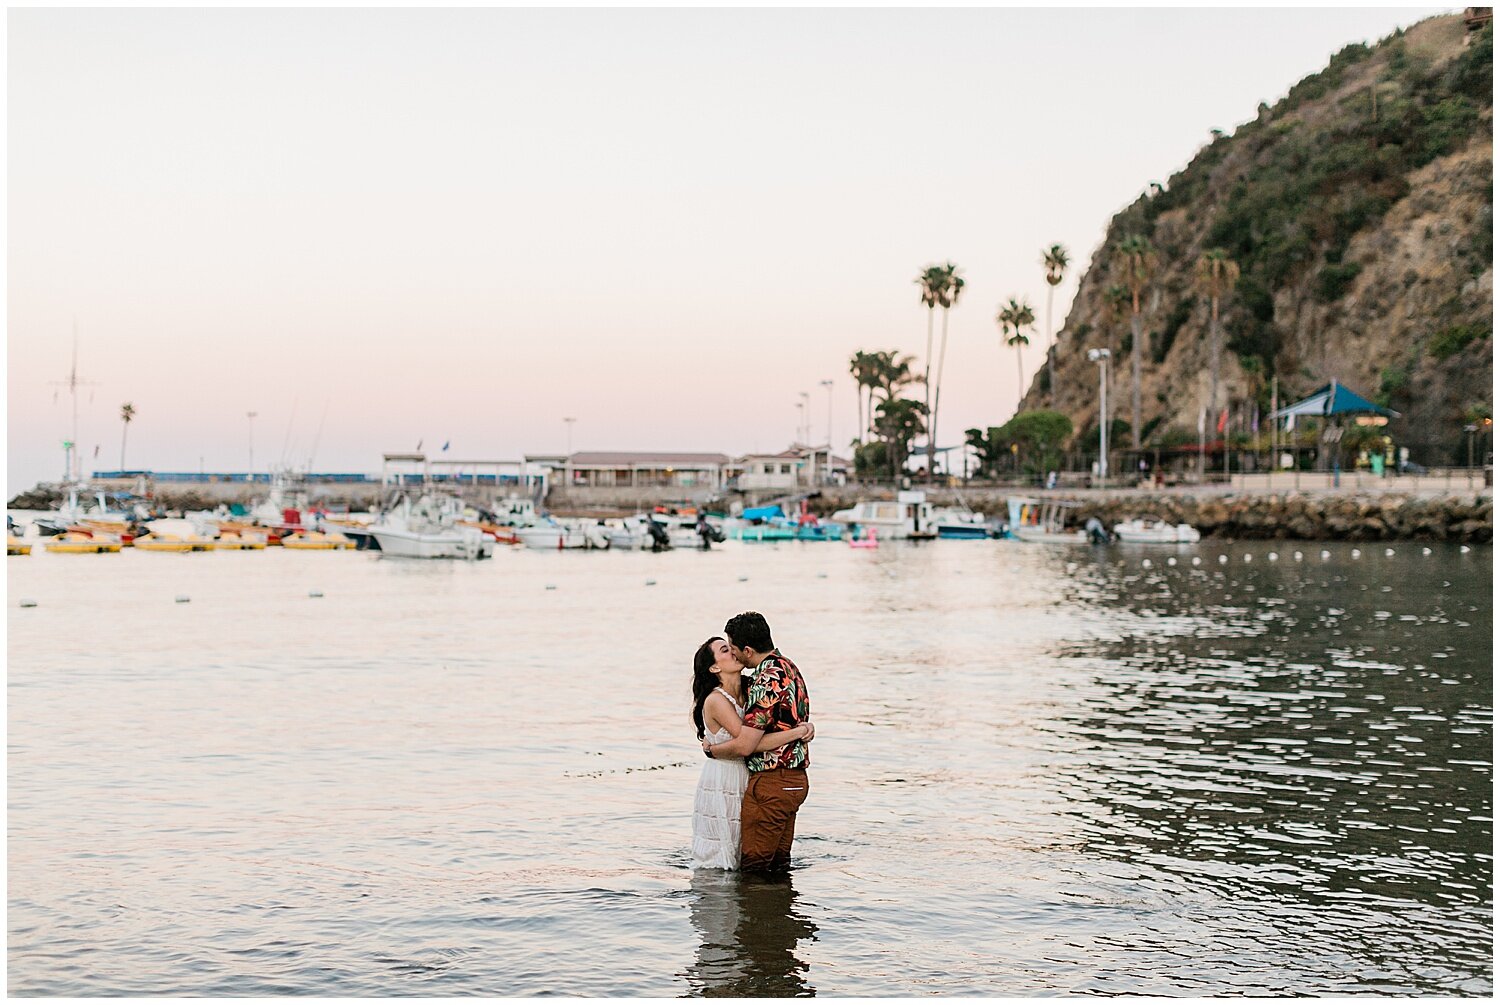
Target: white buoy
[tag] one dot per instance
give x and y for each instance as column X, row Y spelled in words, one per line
column 1323, row 555
column 1463, row 549
column 1247, row 558
column 1296, row 556
column 1272, row 556
column 182, row 598
column 28, row 603
column 314, row 593
column 1354, row 553
column 1145, row 563
column 1427, row 551
column 1197, row 560
column 1171, row 561
column 1223, row 559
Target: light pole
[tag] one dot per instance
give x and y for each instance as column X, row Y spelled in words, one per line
column 1471, row 429
column 250, row 417
column 568, row 423
column 828, row 386
column 1101, row 356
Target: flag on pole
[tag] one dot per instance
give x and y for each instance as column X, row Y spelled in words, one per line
column 1223, row 420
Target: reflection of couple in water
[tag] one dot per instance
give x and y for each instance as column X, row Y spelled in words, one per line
column 755, row 731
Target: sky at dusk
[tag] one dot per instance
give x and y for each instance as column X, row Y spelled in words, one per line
column 376, row 228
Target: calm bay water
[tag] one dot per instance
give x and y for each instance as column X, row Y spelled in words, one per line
column 1038, row 770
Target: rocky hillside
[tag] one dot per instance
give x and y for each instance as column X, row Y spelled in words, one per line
column 1358, row 209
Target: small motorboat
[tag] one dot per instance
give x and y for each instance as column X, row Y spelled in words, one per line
column 1155, row 532
column 554, row 536
column 74, row 542
column 15, row 546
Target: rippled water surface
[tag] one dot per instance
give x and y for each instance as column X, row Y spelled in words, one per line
column 1038, row 769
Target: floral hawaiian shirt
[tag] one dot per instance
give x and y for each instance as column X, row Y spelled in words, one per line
column 777, row 701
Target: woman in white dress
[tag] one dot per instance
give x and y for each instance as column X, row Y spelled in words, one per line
column 718, row 709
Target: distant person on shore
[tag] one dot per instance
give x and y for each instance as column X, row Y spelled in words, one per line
column 718, row 711
column 775, row 704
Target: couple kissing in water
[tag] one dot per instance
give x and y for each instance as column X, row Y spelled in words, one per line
column 755, row 730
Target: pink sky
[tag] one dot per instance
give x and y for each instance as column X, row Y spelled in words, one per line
column 465, row 225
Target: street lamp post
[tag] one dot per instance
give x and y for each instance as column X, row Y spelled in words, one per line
column 250, row 416
column 828, row 473
column 1101, row 356
column 1471, row 429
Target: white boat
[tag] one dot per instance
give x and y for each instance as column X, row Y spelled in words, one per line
column 428, row 530
column 554, row 535
column 909, row 518
column 1042, row 521
column 1155, row 532
column 953, row 522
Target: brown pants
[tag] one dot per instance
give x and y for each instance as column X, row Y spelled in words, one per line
column 768, row 818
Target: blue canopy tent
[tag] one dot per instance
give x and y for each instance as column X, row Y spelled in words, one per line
column 1331, row 401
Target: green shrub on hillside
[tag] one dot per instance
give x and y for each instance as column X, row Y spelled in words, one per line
column 1454, row 338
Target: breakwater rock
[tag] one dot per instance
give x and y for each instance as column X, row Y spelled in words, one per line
column 1305, row 516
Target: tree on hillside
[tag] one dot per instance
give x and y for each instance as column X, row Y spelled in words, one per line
column 1216, row 275
column 1135, row 263
column 1055, row 264
column 1014, row 320
column 127, row 414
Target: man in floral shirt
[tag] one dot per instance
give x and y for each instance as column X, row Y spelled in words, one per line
column 776, row 700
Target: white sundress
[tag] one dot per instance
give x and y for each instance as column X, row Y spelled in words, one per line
column 716, row 805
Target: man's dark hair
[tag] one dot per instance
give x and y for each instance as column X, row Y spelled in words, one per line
column 750, row 631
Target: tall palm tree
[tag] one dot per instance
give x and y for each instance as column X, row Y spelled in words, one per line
column 1055, row 263
column 934, row 282
column 1135, row 263
column 1014, row 319
column 1216, row 275
column 892, row 373
column 952, row 288
column 127, row 413
column 862, row 365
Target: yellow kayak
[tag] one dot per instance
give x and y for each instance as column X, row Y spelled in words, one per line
column 314, row 541
column 15, row 546
column 162, row 542
column 76, row 543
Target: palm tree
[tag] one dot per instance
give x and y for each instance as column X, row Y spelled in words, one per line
column 1135, row 263
column 953, row 287
column 1055, row 262
column 863, row 367
column 1014, row 319
column 940, row 286
column 892, row 373
column 1216, row 275
column 899, row 421
column 127, row 413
